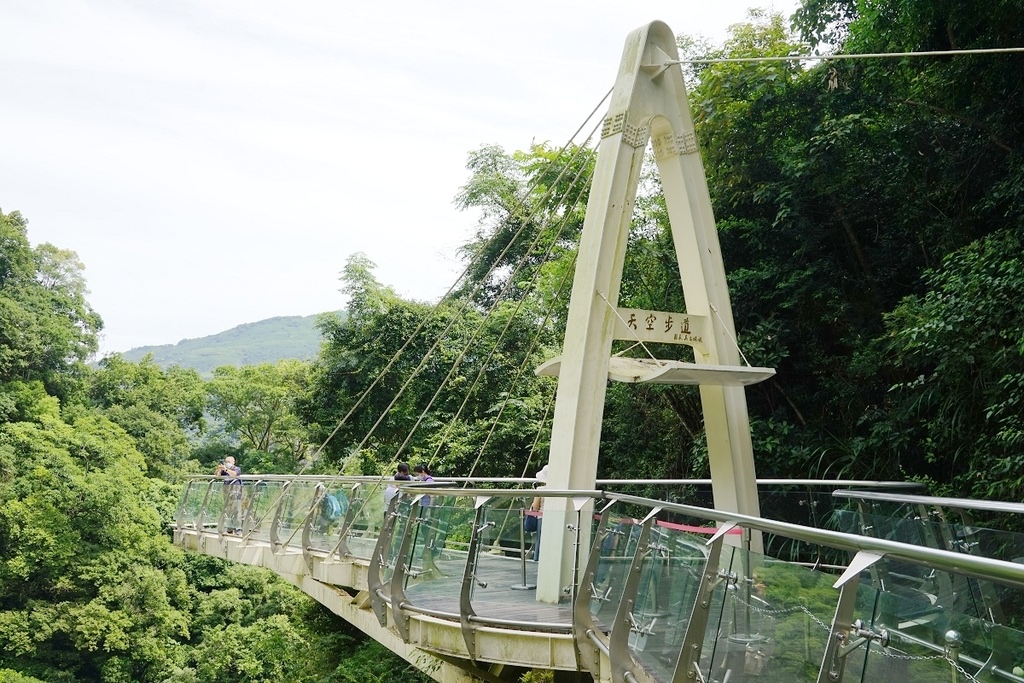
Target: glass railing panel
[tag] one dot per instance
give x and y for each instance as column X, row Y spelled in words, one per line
column 233, row 491
column 367, row 511
column 975, row 597
column 260, row 498
column 191, row 504
column 1003, row 545
column 770, row 620
column 331, row 512
column 617, row 547
column 670, row 577
column 297, row 500
column 506, row 567
column 804, row 505
column 992, row 601
column 438, row 556
column 213, row 506
column 401, row 512
column 928, row 643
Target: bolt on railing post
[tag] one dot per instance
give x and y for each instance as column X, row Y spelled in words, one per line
column 840, row 634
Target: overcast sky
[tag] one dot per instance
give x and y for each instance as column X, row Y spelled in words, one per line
column 216, row 162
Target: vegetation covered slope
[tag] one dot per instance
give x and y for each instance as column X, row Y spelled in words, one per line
column 266, row 341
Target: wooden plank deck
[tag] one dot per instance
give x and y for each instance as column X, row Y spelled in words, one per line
column 501, row 598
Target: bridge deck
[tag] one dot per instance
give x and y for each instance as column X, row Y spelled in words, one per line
column 504, row 597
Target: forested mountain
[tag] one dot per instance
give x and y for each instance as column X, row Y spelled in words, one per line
column 871, row 214
column 266, row 341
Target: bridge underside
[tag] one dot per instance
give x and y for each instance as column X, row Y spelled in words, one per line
column 436, row 646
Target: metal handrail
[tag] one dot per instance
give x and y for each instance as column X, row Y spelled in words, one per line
column 599, row 482
column 773, row 482
column 978, row 567
column 934, row 501
column 1009, row 573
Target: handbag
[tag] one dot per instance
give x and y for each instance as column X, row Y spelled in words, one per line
column 530, row 523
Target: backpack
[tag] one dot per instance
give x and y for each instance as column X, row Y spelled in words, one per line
column 330, row 508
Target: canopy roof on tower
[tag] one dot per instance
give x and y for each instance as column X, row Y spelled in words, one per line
column 652, row 371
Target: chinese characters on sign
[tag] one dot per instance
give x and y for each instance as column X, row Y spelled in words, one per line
column 663, row 327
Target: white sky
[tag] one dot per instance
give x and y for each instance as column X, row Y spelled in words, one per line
column 216, row 162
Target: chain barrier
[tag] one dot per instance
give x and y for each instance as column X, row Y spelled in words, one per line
column 772, row 613
column 880, row 651
column 887, row 652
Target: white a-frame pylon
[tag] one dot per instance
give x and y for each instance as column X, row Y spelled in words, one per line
column 649, row 104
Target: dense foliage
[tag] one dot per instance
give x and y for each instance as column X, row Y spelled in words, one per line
column 401, row 380
column 871, row 214
column 91, row 588
column 863, row 205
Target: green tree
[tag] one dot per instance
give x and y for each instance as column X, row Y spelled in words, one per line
column 531, row 206
column 426, row 382
column 162, row 410
column 89, row 586
column 47, row 328
column 957, row 418
column 255, row 405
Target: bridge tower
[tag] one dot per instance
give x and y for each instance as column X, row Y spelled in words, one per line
column 649, row 104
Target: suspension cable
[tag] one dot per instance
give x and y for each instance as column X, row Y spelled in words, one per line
column 430, row 351
column 864, row 55
column 581, row 150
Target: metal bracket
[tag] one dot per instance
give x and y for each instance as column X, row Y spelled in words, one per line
column 597, row 596
column 859, row 635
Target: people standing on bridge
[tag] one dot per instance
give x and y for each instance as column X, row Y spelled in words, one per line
column 231, row 473
column 535, row 515
column 401, row 474
column 228, row 469
column 422, row 473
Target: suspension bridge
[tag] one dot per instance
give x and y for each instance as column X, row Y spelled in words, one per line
column 484, row 579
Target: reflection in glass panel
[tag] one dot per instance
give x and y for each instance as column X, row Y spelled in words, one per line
column 296, row 504
column 367, row 515
column 329, row 516
column 401, row 512
column 191, row 504
column 214, row 505
column 670, row 577
column 261, row 499
column 506, row 567
column 769, row 619
column 935, row 645
column 439, row 552
column 617, row 547
column 917, row 526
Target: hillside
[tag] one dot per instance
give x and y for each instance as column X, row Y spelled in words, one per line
column 265, row 341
